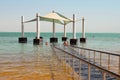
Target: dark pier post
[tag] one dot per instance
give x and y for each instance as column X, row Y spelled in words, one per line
column 36, row 41
column 64, row 38
column 22, row 39
column 73, row 41
column 83, row 39
column 53, row 39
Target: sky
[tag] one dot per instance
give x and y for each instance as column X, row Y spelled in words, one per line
column 101, row 16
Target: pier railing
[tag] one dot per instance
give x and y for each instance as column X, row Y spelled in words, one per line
column 91, row 60
column 108, row 60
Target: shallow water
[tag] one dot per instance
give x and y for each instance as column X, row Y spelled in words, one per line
column 22, row 61
column 101, row 41
column 41, row 64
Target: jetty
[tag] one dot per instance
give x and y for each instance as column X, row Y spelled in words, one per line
column 92, row 64
column 68, row 61
column 59, row 62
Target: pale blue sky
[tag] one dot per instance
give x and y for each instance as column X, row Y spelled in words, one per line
column 100, row 15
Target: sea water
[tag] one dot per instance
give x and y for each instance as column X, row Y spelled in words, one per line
column 18, row 58
column 100, row 41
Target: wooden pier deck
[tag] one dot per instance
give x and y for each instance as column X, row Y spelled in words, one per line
column 42, row 64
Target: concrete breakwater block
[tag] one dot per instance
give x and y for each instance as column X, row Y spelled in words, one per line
column 36, row 41
column 53, row 40
column 64, row 38
column 22, row 40
column 82, row 40
column 73, row 41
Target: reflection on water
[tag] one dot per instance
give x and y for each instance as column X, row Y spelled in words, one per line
column 40, row 64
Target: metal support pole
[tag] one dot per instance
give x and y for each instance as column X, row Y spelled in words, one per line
column 53, row 27
column 69, row 60
column 89, row 56
column 68, row 63
column 81, row 52
column 108, row 61
column 64, row 59
column 100, row 59
column 74, row 28
column 22, row 26
column 67, row 66
column 83, row 33
column 84, row 53
column 72, row 62
column 64, row 30
column 73, row 66
column 80, row 70
column 37, row 26
column 104, row 76
column 94, row 56
column 119, row 64
column 89, row 70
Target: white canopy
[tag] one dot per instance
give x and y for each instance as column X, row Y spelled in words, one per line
column 65, row 22
column 58, row 18
column 44, row 19
column 55, row 16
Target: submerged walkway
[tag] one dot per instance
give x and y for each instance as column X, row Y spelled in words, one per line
column 88, row 63
column 41, row 64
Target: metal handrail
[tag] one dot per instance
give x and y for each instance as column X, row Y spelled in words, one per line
column 97, row 50
column 91, row 63
column 102, row 52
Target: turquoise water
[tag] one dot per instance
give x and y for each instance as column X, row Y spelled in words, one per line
column 101, row 41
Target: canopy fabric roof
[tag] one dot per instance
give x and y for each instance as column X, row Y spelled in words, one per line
column 55, row 16
column 65, row 22
column 45, row 19
column 58, row 18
